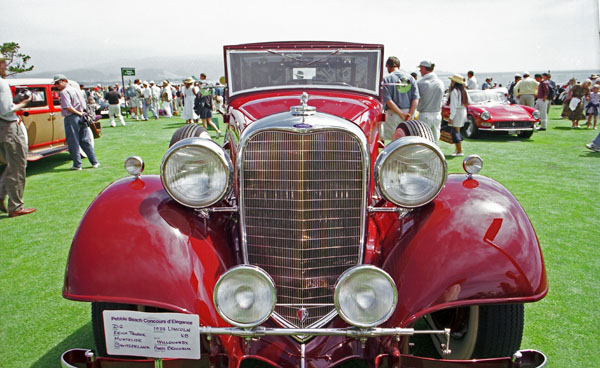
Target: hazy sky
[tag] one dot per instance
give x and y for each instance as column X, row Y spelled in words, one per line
column 484, row 35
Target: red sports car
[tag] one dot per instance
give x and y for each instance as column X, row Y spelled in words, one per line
column 490, row 111
column 301, row 241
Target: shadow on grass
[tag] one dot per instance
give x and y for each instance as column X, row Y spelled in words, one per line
column 173, row 125
column 499, row 137
column 82, row 338
column 48, row 164
column 580, row 129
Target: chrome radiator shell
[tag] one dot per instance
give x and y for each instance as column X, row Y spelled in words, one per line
column 303, row 184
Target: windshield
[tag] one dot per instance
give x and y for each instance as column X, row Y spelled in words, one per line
column 488, row 95
column 277, row 68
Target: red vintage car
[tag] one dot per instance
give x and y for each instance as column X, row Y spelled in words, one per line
column 302, row 241
column 490, row 111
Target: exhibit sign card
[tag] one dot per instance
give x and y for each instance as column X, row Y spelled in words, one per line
column 152, row 335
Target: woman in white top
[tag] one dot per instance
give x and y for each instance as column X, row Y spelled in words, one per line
column 458, row 101
column 189, row 94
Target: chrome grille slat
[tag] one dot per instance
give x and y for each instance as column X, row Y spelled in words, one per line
column 302, row 200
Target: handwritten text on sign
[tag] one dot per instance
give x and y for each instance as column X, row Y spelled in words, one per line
column 155, row 335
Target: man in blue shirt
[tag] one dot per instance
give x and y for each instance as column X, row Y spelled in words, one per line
column 400, row 95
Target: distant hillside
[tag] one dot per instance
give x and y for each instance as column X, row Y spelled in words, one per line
column 156, row 69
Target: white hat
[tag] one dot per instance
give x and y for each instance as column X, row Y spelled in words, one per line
column 151, row 82
column 3, row 58
column 426, row 64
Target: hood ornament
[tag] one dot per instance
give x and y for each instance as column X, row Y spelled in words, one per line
column 302, row 314
column 303, row 109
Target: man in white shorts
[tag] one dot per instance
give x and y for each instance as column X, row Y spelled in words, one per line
column 431, row 90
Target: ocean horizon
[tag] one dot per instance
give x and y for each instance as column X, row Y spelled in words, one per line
column 504, row 78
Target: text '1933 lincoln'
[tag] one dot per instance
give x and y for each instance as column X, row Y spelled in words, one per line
column 303, row 240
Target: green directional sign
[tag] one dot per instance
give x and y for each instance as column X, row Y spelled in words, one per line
column 128, row 71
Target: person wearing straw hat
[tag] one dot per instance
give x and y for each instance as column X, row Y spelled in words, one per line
column 13, row 149
column 458, row 101
column 189, row 95
column 166, row 96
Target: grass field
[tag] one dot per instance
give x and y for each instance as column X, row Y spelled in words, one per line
column 556, row 179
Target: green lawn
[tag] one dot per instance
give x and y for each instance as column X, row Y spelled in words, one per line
column 556, row 179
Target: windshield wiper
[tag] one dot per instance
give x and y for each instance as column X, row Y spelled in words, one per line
column 303, row 61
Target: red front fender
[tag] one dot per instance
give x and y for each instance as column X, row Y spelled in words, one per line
column 473, row 245
column 135, row 245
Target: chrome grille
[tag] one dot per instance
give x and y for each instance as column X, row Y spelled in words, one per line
column 302, row 198
column 513, row 124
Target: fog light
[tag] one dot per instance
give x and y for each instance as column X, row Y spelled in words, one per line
column 245, row 296
column 472, row 164
column 134, row 165
column 365, row 296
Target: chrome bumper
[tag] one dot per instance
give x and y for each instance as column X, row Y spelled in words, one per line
column 521, row 359
column 77, row 358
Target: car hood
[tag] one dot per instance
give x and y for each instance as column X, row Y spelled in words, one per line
column 345, row 105
column 503, row 112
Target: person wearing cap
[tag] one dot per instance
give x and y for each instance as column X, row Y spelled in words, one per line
column 400, row 95
column 471, row 81
column 166, row 96
column 511, row 89
column 13, row 149
column 526, row 89
column 431, row 91
column 188, row 94
column 458, row 101
column 72, row 108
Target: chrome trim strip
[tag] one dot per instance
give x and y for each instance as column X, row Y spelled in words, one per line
column 347, row 332
column 375, row 91
column 505, row 129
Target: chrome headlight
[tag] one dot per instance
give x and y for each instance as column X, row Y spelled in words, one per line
column 245, row 296
column 365, row 296
column 410, row 171
column 196, row 172
column 134, row 165
column 472, row 164
column 485, row 115
column 535, row 114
